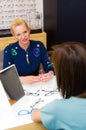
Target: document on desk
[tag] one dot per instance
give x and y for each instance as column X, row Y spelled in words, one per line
column 6, row 113
column 8, row 118
column 36, row 96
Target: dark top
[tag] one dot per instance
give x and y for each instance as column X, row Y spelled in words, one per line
column 27, row 62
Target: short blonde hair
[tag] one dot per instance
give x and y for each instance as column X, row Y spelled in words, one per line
column 16, row 22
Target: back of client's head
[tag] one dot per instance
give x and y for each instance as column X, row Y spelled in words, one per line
column 70, row 68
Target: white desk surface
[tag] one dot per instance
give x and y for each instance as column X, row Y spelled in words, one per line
column 34, row 92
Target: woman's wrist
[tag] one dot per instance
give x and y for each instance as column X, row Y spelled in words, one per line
column 51, row 73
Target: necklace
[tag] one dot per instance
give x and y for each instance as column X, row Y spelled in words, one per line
column 27, row 58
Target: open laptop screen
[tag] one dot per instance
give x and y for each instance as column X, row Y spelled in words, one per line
column 11, row 82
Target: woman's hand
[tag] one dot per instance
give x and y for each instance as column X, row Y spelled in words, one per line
column 40, row 78
column 46, row 76
column 30, row 79
column 35, row 115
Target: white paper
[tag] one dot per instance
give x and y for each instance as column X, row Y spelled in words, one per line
column 35, row 99
column 5, row 108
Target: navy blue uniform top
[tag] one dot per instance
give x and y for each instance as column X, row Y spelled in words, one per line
column 27, row 62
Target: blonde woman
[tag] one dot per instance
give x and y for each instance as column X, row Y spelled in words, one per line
column 27, row 54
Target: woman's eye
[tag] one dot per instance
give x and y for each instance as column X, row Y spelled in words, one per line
column 18, row 35
column 25, row 32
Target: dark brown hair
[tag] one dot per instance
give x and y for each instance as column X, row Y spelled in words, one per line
column 70, row 68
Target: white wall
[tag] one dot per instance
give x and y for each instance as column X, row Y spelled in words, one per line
column 39, row 8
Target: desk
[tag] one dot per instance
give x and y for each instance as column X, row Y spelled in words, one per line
column 31, row 126
column 33, row 93
column 12, row 102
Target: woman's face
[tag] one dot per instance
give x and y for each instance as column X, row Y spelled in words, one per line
column 22, row 34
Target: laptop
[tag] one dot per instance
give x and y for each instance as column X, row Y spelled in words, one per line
column 11, row 82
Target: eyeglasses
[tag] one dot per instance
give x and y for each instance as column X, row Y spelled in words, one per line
column 32, row 107
column 46, row 92
column 50, row 92
column 32, row 93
